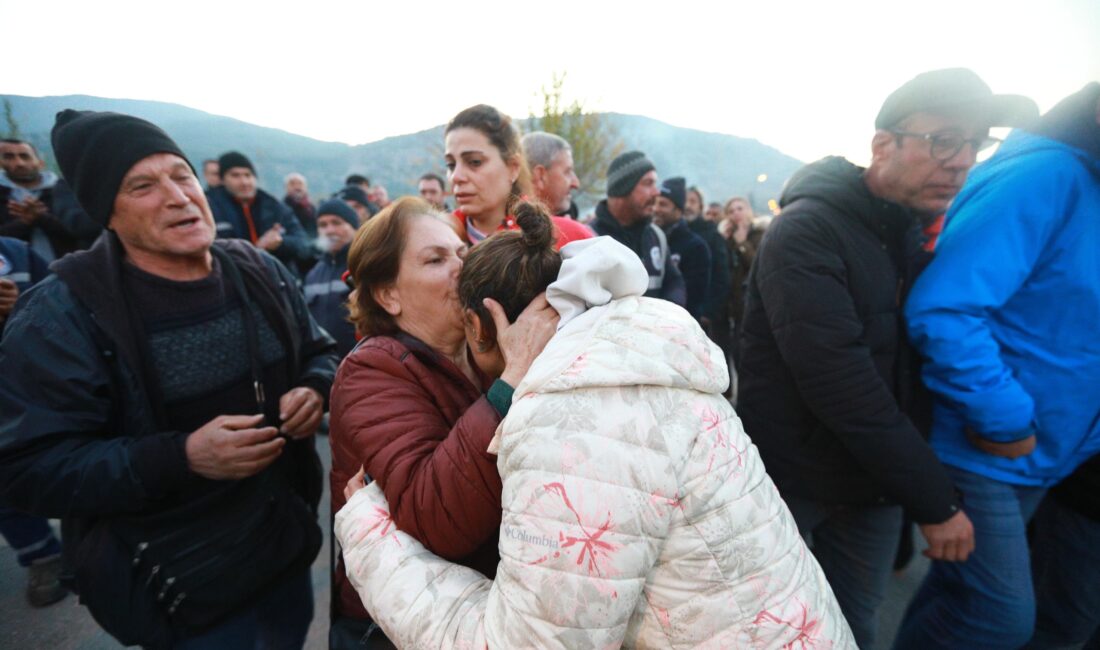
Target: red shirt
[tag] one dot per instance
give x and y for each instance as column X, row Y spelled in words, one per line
column 567, row 229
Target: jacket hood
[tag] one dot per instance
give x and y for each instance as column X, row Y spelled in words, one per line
column 832, row 180
column 611, row 336
column 45, row 181
column 1072, row 121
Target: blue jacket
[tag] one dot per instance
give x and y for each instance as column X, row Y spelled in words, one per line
column 1006, row 314
column 20, row 264
column 326, row 294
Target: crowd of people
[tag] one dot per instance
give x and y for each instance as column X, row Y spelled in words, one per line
column 673, row 424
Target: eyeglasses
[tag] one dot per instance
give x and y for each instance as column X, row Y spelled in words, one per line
column 946, row 146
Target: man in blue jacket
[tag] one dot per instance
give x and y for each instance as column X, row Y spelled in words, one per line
column 1006, row 317
column 325, row 289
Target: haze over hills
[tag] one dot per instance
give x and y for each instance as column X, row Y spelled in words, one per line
column 721, row 165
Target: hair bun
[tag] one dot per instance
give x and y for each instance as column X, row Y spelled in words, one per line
column 534, row 221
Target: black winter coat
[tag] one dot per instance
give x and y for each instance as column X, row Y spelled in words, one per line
column 823, row 350
column 297, row 248
column 644, row 238
column 79, row 437
column 691, row 255
column 66, row 225
column 720, row 272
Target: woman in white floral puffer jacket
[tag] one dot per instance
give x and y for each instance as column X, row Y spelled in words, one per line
column 637, row 512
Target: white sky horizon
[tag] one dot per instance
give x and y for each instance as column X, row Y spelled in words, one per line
column 804, row 77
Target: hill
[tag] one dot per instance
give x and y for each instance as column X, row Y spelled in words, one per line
column 721, row 165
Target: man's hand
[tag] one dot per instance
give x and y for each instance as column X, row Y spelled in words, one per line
column 27, row 211
column 271, row 239
column 300, row 411
column 355, row 484
column 230, row 447
column 9, row 291
column 1010, row 450
column 951, row 541
column 523, row 340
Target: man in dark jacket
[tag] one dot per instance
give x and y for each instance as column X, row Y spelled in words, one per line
column 688, row 252
column 627, row 216
column 161, row 393
column 715, row 318
column 38, row 207
column 325, row 289
column 244, row 211
column 822, row 392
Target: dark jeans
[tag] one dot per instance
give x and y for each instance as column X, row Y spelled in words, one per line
column 1065, row 564
column 357, row 634
column 279, row 621
column 30, row 537
column 987, row 601
column 855, row 546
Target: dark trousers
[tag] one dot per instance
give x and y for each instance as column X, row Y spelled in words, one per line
column 855, row 546
column 279, row 621
column 1065, row 565
column 31, row 537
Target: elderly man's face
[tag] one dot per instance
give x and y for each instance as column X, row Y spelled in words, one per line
column 241, row 183
column 555, row 184
column 296, row 186
column 907, row 171
column 161, row 211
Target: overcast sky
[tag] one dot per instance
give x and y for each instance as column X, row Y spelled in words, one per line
column 805, row 77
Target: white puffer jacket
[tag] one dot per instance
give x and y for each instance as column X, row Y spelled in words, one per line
column 637, row 512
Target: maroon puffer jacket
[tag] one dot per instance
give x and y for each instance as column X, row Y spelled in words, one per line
column 421, row 429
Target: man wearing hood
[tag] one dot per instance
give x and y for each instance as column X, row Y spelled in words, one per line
column 827, row 388
column 1006, row 316
column 38, row 207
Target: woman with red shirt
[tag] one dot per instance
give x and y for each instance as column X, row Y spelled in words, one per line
column 488, row 175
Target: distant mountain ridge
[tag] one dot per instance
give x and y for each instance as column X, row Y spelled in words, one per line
column 721, row 165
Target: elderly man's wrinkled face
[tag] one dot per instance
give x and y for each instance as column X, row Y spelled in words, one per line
column 161, row 211
column 296, row 186
column 558, row 182
column 335, row 232
column 908, row 172
column 241, row 183
column 20, row 162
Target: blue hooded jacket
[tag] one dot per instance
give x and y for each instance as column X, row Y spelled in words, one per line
column 1006, row 314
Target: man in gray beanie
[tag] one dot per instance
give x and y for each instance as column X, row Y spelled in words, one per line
column 627, row 216
column 161, row 393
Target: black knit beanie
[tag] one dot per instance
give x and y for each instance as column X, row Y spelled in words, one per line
column 675, row 189
column 625, row 172
column 232, row 159
column 338, row 208
column 96, row 150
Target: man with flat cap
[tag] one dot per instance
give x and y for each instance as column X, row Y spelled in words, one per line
column 829, row 387
column 160, row 396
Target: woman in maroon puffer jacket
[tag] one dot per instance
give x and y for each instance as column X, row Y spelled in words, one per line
column 409, row 405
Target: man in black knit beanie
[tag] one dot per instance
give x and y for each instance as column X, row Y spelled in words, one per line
column 161, row 395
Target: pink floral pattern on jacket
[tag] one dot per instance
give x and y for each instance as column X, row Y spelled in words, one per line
column 637, row 513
